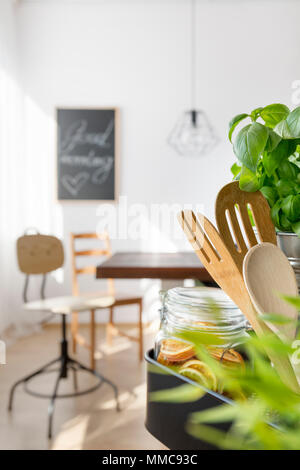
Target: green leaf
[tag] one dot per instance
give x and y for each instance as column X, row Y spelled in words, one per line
column 275, row 213
column 273, row 141
column 289, row 128
column 295, row 301
column 285, row 223
column 296, row 228
column 255, row 113
column 222, row 414
column 274, row 113
column 249, row 181
column 283, row 130
column 235, row 170
column 270, row 194
column 275, row 318
column 279, row 218
column 234, row 122
column 200, row 337
column 293, row 121
column 288, row 170
column 295, row 158
column 217, row 437
column 273, row 159
column 285, row 187
column 291, row 207
column 250, row 143
column 183, row 394
column 158, row 370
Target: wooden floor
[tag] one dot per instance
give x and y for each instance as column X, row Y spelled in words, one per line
column 87, row 422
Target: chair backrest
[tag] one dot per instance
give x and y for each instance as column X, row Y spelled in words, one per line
column 39, row 254
column 105, row 252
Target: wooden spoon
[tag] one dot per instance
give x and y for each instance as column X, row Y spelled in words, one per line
column 267, row 271
column 214, row 255
column 232, row 199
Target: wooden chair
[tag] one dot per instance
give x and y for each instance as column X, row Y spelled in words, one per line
column 39, row 255
column 118, row 299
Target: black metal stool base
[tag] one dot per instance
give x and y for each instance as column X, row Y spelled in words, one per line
column 66, row 363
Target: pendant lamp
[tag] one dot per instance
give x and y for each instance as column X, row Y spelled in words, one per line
column 193, row 135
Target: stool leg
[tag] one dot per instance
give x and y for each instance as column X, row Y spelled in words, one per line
column 25, row 379
column 51, row 405
column 141, row 338
column 92, row 340
column 75, row 383
column 110, row 327
column 74, row 331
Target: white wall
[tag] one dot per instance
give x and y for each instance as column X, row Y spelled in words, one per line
column 10, row 110
column 135, row 54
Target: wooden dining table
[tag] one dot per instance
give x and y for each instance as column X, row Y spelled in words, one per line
column 164, row 266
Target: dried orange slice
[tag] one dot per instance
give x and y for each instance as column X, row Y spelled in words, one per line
column 176, row 351
column 162, row 360
column 195, row 375
column 230, row 356
column 204, row 323
column 203, row 369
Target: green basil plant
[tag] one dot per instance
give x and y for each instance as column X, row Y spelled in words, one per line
column 268, row 153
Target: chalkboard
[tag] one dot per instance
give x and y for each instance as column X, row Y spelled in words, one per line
column 87, row 154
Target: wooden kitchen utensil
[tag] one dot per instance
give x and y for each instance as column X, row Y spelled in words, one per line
column 237, row 231
column 214, row 255
column 267, row 271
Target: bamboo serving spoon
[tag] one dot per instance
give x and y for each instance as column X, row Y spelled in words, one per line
column 232, row 199
column 214, row 255
column 267, row 271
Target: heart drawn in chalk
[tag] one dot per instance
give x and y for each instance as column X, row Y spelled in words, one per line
column 73, row 184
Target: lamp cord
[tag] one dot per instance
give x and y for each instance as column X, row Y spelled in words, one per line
column 193, row 54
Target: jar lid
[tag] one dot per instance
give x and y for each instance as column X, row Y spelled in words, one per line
column 203, row 308
column 203, row 297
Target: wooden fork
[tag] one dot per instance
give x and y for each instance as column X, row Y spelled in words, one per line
column 230, row 199
column 217, row 259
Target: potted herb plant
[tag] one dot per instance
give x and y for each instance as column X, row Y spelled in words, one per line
column 268, row 153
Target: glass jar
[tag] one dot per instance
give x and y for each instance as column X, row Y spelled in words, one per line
column 204, row 310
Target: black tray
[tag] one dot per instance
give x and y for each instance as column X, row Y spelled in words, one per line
column 166, row 421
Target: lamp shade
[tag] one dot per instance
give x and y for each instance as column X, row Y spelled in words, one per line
column 193, row 135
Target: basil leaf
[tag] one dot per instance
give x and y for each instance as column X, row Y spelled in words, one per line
column 296, row 229
column 272, row 160
column 234, row 122
column 274, row 113
column 273, row 141
column 279, row 219
column 275, row 213
column 285, row 224
column 293, row 144
column 235, row 170
column 250, row 143
column 285, row 188
column 291, row 207
column 270, row 194
column 288, row 170
column 295, row 159
column 293, row 121
column 283, row 130
column 255, row 113
column 289, row 128
column 248, row 180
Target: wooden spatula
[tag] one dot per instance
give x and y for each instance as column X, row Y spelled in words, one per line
column 267, row 272
column 218, row 261
column 238, row 234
